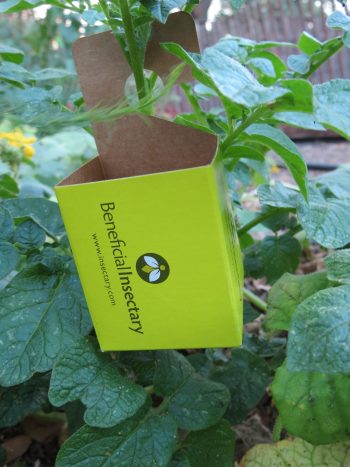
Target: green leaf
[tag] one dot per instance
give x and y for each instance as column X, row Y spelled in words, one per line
column 325, row 219
column 141, row 441
column 278, row 220
column 299, row 63
column 161, row 9
column 300, row 98
column 190, row 120
column 338, row 266
column 236, row 82
column 287, row 293
column 337, row 182
column 142, row 363
column 278, row 195
column 12, row 6
column 194, row 402
column 179, row 460
column 10, row 54
column 267, row 66
column 319, row 338
column 54, row 259
column 192, row 59
column 19, row 401
column 249, row 313
column 41, row 314
column 276, row 140
column 232, row 47
column 200, row 363
column 52, row 73
column 43, row 212
column 332, row 105
column 198, row 404
column 29, row 235
column 92, row 16
column 308, row 44
column 302, row 120
column 269, row 44
column 84, row 372
column 172, row 370
column 272, row 257
column 329, row 48
column 262, row 346
column 337, row 20
column 313, row 406
column 246, row 376
column 262, row 66
column 240, row 151
column 9, row 259
column 75, row 416
column 8, row 187
column 14, row 74
column 213, row 447
column 277, row 63
column 6, row 224
column 35, row 106
column 297, row 453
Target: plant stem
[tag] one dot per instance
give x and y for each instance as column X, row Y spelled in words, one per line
column 136, row 65
column 255, row 300
column 239, row 129
column 317, row 65
column 104, row 8
column 277, row 429
column 257, row 220
column 195, row 105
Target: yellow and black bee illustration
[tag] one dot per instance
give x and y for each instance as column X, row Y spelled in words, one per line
column 153, row 268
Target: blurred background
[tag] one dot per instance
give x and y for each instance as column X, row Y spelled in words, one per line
column 47, row 33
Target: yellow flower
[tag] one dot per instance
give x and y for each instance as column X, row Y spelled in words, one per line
column 17, row 139
column 28, row 151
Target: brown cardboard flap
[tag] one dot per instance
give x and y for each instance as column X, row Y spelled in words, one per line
column 89, row 172
column 132, row 145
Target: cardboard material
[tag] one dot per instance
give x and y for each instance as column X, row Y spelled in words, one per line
column 149, row 219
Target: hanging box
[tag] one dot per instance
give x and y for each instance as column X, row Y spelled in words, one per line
column 149, row 220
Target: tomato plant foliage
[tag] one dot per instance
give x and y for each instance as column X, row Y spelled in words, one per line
column 171, row 408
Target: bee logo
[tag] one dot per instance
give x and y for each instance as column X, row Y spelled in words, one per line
column 152, row 268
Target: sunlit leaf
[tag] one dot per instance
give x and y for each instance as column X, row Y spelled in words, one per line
column 319, row 337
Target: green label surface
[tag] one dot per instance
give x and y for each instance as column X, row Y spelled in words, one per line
column 159, row 262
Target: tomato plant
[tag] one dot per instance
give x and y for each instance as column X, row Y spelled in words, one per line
column 171, row 408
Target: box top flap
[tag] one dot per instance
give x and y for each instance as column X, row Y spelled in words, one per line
column 133, row 145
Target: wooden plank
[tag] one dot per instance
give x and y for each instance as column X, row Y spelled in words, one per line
column 283, row 21
column 301, row 17
column 237, row 25
column 257, row 33
column 249, row 21
column 260, row 12
column 271, row 17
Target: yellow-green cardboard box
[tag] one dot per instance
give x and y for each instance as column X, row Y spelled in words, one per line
column 149, row 219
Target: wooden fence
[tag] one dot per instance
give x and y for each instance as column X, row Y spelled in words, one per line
column 281, row 20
